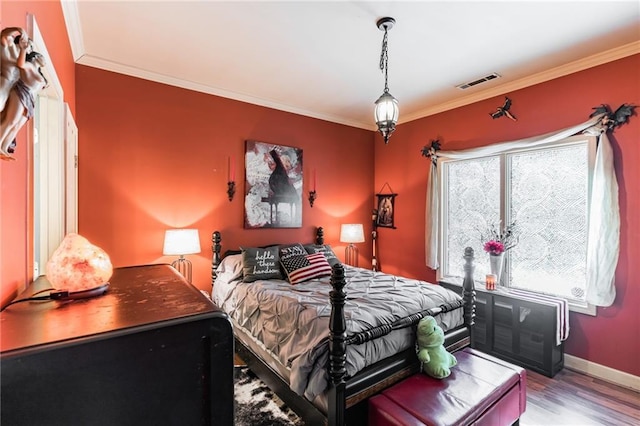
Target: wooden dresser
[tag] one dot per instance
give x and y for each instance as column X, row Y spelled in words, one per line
column 152, row 350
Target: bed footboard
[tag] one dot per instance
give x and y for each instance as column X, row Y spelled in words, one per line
column 338, row 340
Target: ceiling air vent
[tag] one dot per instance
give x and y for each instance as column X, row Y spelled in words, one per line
column 478, row 81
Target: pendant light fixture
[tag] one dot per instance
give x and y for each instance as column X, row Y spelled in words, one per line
column 387, row 110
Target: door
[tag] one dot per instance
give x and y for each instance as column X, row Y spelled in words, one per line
column 71, row 172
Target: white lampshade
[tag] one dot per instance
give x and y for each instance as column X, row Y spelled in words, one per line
column 181, row 241
column 352, row 233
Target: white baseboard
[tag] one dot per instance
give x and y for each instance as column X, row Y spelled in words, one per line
column 608, row 374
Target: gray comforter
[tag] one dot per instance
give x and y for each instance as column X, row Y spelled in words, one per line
column 292, row 322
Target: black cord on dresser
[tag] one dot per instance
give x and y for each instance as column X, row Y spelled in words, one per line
column 62, row 295
column 54, row 295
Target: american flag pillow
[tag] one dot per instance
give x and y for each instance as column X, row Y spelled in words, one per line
column 304, row 267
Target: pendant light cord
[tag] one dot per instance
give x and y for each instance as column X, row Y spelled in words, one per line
column 384, row 61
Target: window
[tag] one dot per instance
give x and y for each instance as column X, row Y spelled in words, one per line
column 546, row 190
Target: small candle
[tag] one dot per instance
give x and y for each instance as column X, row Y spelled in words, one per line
column 315, row 180
column 232, row 169
column 491, row 281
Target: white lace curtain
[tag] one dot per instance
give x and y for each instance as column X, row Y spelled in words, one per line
column 604, row 225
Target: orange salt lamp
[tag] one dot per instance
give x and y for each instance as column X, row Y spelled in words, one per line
column 78, row 265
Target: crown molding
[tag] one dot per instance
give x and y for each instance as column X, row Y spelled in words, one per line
column 74, row 31
column 93, row 61
column 569, row 68
column 74, row 28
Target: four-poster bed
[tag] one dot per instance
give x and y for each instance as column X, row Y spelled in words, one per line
column 330, row 374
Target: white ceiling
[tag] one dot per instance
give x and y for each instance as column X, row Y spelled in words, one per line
column 321, row 59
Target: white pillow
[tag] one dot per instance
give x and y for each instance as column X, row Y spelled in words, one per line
column 230, row 268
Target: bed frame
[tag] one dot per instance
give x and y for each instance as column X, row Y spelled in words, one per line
column 347, row 397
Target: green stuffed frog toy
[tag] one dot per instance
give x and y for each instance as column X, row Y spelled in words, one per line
column 436, row 361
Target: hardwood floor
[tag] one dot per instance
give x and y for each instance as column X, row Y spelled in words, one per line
column 572, row 398
column 237, row 360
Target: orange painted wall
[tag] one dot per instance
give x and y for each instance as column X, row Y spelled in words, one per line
column 154, row 157
column 613, row 337
column 16, row 247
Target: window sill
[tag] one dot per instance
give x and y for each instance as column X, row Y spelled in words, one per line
column 455, row 284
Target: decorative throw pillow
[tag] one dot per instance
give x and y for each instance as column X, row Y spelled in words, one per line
column 324, row 249
column 304, row 267
column 260, row 264
column 289, row 250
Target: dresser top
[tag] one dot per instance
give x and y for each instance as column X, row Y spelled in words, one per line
column 138, row 297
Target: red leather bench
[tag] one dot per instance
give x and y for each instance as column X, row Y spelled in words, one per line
column 481, row 390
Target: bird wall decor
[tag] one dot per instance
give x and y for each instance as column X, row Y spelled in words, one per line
column 504, row 110
column 613, row 119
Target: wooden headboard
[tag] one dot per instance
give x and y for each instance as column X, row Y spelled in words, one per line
column 216, row 248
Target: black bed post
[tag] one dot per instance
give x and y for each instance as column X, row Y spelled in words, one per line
column 320, row 236
column 468, row 291
column 215, row 247
column 337, row 348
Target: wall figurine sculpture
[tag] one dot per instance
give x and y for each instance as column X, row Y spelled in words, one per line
column 613, row 119
column 21, row 79
column 431, row 151
column 503, row 111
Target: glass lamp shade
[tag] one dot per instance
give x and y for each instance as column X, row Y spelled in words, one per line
column 179, row 242
column 386, row 114
column 352, row 233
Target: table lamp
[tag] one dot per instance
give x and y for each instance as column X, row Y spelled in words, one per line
column 180, row 242
column 351, row 233
column 79, row 268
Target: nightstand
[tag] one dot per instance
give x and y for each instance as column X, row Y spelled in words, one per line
column 152, row 350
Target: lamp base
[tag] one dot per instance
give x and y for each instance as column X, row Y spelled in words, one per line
column 183, row 266
column 351, row 255
column 91, row 292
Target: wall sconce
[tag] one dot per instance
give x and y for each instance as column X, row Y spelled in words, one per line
column 313, row 194
column 231, row 184
column 179, row 242
column 387, row 110
column 231, row 189
column 351, row 233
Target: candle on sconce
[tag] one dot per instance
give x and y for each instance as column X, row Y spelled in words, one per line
column 312, row 190
column 232, row 169
column 315, row 180
column 491, row 281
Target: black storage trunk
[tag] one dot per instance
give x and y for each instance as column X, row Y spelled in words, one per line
column 498, row 330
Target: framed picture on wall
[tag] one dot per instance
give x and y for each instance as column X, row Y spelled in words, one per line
column 386, row 210
column 273, row 186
